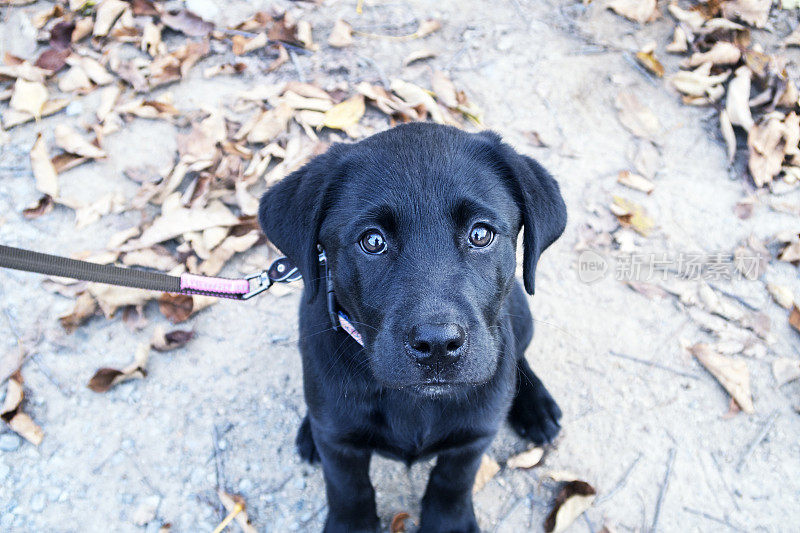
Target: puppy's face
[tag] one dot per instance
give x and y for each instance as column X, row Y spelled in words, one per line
column 420, row 227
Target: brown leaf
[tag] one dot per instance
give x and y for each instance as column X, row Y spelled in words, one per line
column 737, row 103
column 487, row 470
column 398, row 524
column 43, row 206
column 176, row 307
column 527, row 459
column 163, row 341
column 144, row 8
column 53, row 59
column 11, row 412
column 85, row 308
column 794, row 317
column 572, row 501
column 269, row 124
column 731, row 373
column 105, row 378
column 640, row 11
column 111, row 297
column 341, row 35
column 700, row 82
column 187, row 23
column 426, row 27
column 230, row 246
column 61, row 35
column 43, row 170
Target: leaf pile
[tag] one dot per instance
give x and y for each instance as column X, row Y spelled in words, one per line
column 199, row 213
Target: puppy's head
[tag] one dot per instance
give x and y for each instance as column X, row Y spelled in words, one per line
column 419, row 224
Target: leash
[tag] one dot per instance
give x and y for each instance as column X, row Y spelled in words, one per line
column 282, row 270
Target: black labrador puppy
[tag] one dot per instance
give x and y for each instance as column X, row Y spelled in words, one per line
column 419, row 228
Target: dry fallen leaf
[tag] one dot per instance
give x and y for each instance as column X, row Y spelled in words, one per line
column 782, row 295
column 419, row 55
column 640, row 11
column 179, row 220
column 731, row 373
column 700, row 82
column 722, row 53
column 753, row 12
column 43, row 170
column 108, row 11
column 235, row 503
column 649, row 61
column 222, row 253
column 346, row 114
column 527, row 459
column 187, row 23
column 572, row 501
column 414, row 95
column 164, row 341
column 637, row 117
column 487, row 470
column 737, row 103
column 268, row 124
column 398, row 524
column 794, row 317
column 105, row 378
column 29, row 97
column 631, row 214
column 111, row 297
column 85, row 307
column 444, row 89
column 767, row 150
column 71, row 141
column 785, row 370
column 11, row 412
column 726, row 128
column 341, row 35
column 42, row 206
column 635, row 181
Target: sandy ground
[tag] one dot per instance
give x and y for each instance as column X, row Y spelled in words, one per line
column 145, row 450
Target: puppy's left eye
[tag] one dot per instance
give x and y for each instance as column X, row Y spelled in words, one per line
column 481, row 235
column 373, row 243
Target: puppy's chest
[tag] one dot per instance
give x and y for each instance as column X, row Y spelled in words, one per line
column 410, row 432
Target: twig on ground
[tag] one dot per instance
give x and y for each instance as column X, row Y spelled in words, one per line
column 662, row 493
column 301, row 75
column 378, row 69
column 724, row 483
column 218, row 469
column 712, row 518
column 761, row 434
column 507, row 515
column 636, row 65
column 734, row 296
column 588, row 522
column 654, row 364
column 621, row 483
column 45, row 370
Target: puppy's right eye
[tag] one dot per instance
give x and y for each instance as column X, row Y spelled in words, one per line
column 372, row 242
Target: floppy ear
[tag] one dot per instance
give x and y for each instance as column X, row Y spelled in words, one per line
column 291, row 212
column 544, row 214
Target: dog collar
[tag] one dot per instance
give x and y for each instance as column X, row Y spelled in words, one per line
column 339, row 318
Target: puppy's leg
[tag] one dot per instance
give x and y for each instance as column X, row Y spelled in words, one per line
column 351, row 498
column 534, row 413
column 306, row 448
column 447, row 504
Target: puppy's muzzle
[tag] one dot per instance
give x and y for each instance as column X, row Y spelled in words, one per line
column 435, row 344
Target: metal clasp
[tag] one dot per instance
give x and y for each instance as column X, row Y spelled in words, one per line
column 263, row 282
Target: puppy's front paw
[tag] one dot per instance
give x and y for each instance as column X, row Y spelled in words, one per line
column 305, row 443
column 534, row 413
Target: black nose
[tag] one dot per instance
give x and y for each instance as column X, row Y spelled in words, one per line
column 430, row 344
